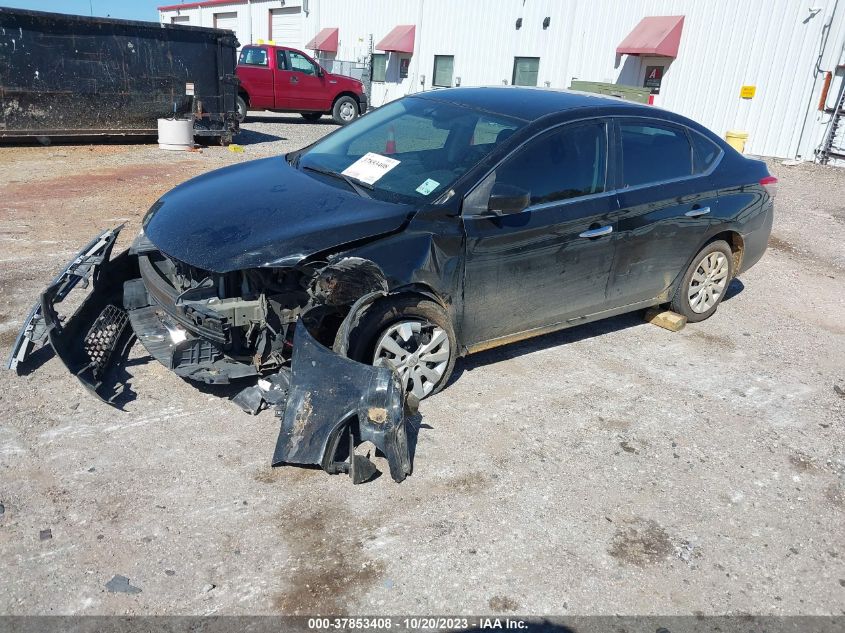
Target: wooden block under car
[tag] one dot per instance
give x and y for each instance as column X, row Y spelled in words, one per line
column 666, row 319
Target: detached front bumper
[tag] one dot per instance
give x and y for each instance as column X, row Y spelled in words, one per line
column 86, row 341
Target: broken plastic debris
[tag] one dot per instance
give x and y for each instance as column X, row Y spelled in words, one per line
column 237, row 149
column 120, row 584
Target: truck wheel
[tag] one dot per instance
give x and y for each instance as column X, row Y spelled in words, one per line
column 241, row 109
column 311, row 116
column 345, row 110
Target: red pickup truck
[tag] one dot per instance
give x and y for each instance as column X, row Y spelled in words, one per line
column 287, row 80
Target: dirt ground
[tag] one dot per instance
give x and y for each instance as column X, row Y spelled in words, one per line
column 610, row 468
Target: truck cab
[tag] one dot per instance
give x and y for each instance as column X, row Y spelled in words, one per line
column 284, row 79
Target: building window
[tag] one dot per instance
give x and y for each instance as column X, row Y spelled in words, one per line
column 180, row 19
column 525, row 71
column 379, row 68
column 443, row 67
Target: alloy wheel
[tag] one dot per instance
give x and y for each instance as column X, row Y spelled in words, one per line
column 418, row 351
column 708, row 282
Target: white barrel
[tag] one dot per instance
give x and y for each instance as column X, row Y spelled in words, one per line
column 175, row 134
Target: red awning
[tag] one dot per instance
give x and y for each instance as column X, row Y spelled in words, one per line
column 325, row 40
column 399, row 40
column 654, row 35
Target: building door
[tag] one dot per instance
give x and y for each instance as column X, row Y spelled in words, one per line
column 286, row 26
column 228, row 20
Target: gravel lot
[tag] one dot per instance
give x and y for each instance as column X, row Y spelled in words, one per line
column 610, row 468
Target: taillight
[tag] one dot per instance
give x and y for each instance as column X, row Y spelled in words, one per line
column 770, row 184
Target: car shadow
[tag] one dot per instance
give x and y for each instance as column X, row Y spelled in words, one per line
column 263, row 118
column 734, row 288
column 546, row 341
column 252, row 137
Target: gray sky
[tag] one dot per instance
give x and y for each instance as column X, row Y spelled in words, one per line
column 125, row 9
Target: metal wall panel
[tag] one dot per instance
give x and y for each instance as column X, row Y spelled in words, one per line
column 771, row 44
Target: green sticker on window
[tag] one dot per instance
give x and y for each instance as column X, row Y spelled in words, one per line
column 428, row 186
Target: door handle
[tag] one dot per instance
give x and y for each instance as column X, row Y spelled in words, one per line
column 294, row 80
column 694, row 213
column 602, row 230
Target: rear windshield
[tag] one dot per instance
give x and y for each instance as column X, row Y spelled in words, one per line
column 411, row 149
column 253, row 57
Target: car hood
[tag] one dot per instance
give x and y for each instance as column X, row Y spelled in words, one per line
column 263, row 213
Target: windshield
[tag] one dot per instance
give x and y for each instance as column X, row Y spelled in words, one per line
column 409, row 149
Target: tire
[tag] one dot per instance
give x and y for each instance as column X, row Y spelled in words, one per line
column 241, row 108
column 711, row 268
column 391, row 318
column 345, row 110
column 311, row 116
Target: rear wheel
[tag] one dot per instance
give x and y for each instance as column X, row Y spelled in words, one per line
column 413, row 336
column 311, row 116
column 345, row 110
column 241, row 106
column 704, row 284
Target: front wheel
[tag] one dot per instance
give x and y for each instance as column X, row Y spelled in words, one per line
column 413, row 336
column 241, row 109
column 704, row 284
column 345, row 110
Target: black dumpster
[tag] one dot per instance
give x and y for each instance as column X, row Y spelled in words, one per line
column 70, row 76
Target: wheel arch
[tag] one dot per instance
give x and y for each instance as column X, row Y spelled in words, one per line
column 368, row 301
column 735, row 241
column 347, row 93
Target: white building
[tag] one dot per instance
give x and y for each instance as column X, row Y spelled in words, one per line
column 770, row 68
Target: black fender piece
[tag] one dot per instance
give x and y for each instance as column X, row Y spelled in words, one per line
column 333, row 400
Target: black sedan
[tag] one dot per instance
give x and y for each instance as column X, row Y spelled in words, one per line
column 435, row 226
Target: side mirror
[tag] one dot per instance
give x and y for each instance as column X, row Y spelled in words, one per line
column 506, row 199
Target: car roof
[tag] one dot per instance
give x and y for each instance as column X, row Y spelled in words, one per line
column 528, row 104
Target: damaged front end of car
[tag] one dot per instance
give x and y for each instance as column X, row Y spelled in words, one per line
column 276, row 325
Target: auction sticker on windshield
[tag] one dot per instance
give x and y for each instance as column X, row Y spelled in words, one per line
column 370, row 167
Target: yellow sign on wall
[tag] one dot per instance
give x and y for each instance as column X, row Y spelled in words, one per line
column 747, row 92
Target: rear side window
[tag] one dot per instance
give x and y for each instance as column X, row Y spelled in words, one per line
column 253, row 57
column 653, row 153
column 567, row 163
column 705, row 152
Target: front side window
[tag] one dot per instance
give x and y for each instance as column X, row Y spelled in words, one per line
column 525, row 70
column 566, row 163
column 379, row 69
column 428, row 145
column 443, row 68
column 652, row 153
column 300, row 63
column 252, row 56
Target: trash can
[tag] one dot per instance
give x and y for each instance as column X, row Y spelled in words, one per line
column 736, row 140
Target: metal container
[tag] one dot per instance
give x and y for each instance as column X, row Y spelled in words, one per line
column 67, row 76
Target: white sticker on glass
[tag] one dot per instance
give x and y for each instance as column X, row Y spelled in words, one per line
column 370, row 167
column 428, row 186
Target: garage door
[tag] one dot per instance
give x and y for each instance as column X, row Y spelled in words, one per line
column 227, row 20
column 286, row 26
